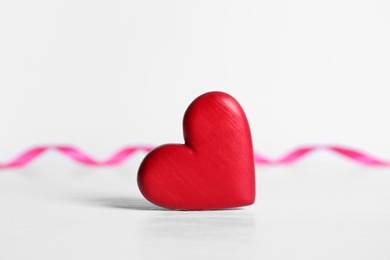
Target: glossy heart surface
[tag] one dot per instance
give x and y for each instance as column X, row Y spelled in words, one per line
column 213, row 169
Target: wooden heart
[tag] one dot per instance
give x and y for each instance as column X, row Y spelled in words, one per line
column 214, row 169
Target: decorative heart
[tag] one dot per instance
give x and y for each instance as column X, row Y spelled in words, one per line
column 214, row 169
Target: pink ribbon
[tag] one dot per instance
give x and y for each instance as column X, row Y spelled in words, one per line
column 301, row 152
column 120, row 156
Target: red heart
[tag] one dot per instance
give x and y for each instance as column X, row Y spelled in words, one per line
column 214, row 169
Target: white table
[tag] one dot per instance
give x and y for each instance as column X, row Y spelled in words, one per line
column 314, row 210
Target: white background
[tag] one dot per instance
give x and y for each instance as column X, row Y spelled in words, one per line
column 104, row 74
column 101, row 74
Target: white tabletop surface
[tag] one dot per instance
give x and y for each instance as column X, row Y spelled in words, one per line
column 313, row 210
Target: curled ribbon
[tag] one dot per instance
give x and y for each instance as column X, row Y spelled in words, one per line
column 120, row 156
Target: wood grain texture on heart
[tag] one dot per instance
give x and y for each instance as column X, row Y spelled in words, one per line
column 213, row 169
